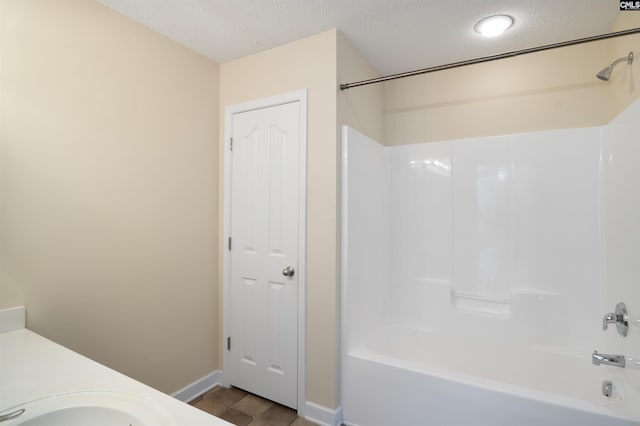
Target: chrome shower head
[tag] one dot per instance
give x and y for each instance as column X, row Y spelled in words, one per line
column 605, row 74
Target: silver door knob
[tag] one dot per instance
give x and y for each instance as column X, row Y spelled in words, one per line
column 288, row 271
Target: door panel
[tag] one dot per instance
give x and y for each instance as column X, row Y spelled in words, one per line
column 264, row 229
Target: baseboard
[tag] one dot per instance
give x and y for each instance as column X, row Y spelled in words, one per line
column 197, row 388
column 313, row 412
column 321, row 415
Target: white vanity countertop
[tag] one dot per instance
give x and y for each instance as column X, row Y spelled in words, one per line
column 33, row 367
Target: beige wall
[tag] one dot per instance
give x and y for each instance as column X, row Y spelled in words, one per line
column 109, row 190
column 310, row 64
column 547, row 90
column 361, row 108
column 543, row 91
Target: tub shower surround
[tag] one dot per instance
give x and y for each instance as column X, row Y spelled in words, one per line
column 476, row 274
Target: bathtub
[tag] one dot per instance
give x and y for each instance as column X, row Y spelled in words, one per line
column 413, row 377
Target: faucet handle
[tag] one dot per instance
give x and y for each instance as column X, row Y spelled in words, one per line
column 620, row 318
column 609, row 318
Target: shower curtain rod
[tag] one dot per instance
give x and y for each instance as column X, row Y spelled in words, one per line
column 511, row 54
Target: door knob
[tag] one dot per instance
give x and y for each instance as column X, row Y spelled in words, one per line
column 288, row 271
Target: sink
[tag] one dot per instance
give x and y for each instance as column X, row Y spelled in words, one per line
column 95, row 408
column 94, row 415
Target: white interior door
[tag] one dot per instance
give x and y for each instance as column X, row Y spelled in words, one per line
column 263, row 297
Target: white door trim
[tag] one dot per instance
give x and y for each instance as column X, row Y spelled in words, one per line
column 301, row 97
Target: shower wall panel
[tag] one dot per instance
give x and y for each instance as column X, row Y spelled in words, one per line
column 367, row 222
column 480, row 221
column 621, row 221
column 482, row 214
column 558, row 235
column 422, row 225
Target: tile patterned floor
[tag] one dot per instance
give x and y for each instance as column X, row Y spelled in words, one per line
column 245, row 409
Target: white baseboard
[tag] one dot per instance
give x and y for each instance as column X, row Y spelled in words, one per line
column 197, row 388
column 313, row 412
column 321, row 415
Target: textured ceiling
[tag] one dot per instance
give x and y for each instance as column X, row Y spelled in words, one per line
column 393, row 35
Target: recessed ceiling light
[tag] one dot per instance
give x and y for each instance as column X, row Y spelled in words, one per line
column 493, row 26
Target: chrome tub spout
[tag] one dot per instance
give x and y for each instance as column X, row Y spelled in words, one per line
column 606, row 359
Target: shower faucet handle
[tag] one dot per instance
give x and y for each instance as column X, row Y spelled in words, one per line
column 620, row 318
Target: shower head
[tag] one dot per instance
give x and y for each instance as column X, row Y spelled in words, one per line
column 605, row 74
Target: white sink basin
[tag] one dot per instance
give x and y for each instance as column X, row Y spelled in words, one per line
column 95, row 408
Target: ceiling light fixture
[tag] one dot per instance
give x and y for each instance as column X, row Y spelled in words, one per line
column 493, row 26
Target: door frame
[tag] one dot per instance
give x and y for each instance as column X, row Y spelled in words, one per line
column 299, row 96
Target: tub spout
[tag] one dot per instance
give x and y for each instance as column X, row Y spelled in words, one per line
column 606, row 359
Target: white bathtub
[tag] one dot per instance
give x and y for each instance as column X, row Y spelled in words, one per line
column 411, row 377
